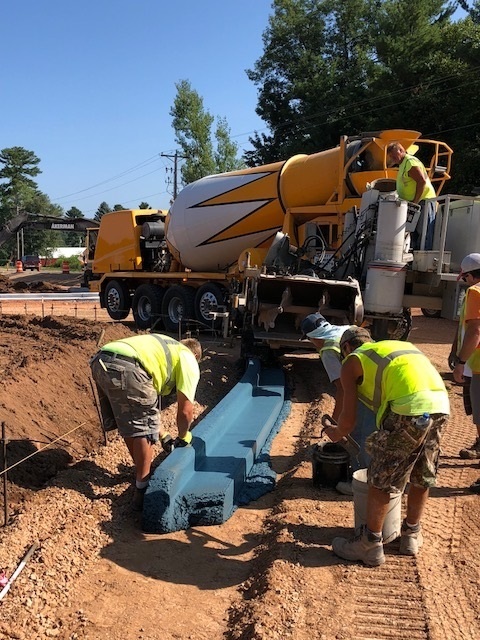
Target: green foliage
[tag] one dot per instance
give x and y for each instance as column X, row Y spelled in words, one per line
column 102, row 210
column 333, row 67
column 192, row 125
column 19, row 167
column 118, row 207
column 74, row 262
column 144, row 205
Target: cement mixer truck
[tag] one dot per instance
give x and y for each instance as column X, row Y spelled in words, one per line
column 251, row 252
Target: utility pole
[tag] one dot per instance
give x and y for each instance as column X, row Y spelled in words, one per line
column 175, row 157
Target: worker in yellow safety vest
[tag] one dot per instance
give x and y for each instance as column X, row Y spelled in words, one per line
column 131, row 375
column 411, row 405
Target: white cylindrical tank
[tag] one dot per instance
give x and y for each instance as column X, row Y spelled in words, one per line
column 385, row 287
column 391, row 224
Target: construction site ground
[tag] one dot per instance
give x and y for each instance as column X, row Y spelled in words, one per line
column 267, row 573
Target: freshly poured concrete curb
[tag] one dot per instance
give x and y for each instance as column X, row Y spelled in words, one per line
column 200, row 484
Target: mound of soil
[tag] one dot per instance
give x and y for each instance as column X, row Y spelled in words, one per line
column 267, row 573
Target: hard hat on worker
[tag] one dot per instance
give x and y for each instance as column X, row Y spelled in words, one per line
column 312, row 323
column 354, row 332
column 469, row 263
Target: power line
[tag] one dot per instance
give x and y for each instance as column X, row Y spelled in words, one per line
column 120, row 175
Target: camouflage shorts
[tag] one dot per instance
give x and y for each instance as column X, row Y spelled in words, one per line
column 401, row 452
column 128, row 400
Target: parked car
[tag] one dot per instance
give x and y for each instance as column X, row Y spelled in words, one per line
column 31, row 262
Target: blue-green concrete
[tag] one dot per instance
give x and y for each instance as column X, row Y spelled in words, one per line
column 201, row 484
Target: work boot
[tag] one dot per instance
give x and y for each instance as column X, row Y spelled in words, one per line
column 167, row 443
column 411, row 539
column 344, row 488
column 137, row 501
column 475, row 487
column 365, row 546
column 471, row 453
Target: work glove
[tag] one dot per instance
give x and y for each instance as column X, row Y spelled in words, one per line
column 167, row 442
column 183, row 442
column 452, row 360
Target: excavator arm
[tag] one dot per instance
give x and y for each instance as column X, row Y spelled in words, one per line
column 46, row 223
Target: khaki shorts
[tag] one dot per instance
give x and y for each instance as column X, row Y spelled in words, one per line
column 401, row 452
column 128, row 400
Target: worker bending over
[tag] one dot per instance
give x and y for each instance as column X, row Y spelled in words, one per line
column 411, row 405
column 131, row 374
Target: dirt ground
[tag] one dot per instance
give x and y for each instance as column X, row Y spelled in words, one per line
column 267, row 573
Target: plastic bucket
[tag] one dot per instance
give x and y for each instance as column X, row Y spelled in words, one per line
column 330, row 462
column 393, row 519
column 385, row 287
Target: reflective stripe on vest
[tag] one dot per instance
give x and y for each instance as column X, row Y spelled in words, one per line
column 333, row 345
column 168, row 357
column 382, row 363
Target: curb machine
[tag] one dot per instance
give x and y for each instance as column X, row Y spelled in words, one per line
column 252, row 252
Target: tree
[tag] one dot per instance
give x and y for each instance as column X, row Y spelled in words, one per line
column 226, row 153
column 70, row 238
column 118, row 207
column 101, row 211
column 333, row 67
column 144, row 205
column 192, row 125
column 18, row 167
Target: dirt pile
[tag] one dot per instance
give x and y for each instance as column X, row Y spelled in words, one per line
column 22, row 286
column 267, row 573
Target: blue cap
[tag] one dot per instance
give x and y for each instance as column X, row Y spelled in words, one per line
column 312, row 322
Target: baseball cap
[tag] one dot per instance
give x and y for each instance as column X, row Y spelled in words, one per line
column 312, row 322
column 354, row 332
column 469, row 263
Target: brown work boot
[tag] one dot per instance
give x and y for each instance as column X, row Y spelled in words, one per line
column 471, row 453
column 364, row 546
column 411, row 540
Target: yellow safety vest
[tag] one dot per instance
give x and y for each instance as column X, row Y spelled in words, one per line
column 170, row 363
column 474, row 360
column 398, row 375
column 333, row 345
column 407, row 186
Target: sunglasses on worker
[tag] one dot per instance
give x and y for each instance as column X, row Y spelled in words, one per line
column 464, row 278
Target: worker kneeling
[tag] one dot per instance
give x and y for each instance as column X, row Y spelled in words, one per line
column 411, row 405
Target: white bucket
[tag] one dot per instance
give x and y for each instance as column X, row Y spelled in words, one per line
column 385, row 287
column 391, row 226
column 393, row 520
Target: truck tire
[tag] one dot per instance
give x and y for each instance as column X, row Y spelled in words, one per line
column 432, row 313
column 147, row 306
column 208, row 298
column 117, row 300
column 177, row 307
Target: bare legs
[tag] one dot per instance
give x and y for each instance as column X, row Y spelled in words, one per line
column 377, row 506
column 142, row 454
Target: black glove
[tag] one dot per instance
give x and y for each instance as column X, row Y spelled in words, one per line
column 452, row 360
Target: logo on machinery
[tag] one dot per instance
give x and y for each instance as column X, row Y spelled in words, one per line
column 62, row 225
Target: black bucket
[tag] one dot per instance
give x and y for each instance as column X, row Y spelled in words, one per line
column 331, row 464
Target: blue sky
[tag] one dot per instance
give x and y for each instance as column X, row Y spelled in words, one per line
column 88, row 86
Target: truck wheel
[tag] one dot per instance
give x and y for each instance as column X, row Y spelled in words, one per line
column 432, row 313
column 177, row 306
column 147, row 306
column 117, row 300
column 208, row 298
